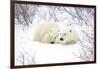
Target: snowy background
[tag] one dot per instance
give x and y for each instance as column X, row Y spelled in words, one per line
column 31, row 52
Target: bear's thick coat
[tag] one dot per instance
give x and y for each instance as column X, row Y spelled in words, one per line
column 46, row 32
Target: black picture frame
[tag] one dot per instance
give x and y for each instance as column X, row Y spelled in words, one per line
column 12, row 37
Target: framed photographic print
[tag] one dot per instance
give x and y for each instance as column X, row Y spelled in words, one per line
column 51, row 34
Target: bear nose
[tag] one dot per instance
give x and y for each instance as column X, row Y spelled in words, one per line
column 61, row 39
column 52, row 42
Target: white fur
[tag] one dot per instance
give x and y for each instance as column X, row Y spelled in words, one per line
column 46, row 32
column 69, row 35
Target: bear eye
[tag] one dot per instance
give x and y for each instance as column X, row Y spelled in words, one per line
column 70, row 30
column 64, row 33
column 54, row 37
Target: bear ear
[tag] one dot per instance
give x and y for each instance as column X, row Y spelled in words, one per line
column 70, row 30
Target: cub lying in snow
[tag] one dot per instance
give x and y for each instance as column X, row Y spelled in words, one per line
column 46, row 32
column 67, row 35
column 50, row 32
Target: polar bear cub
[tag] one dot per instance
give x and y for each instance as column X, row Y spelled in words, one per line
column 46, row 32
column 67, row 35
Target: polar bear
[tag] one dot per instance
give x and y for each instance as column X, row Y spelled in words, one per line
column 67, row 35
column 53, row 33
column 46, row 32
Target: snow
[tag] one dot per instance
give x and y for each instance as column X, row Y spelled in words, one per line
column 28, row 51
column 45, row 53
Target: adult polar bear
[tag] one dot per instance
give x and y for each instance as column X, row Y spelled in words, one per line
column 51, row 32
column 46, row 32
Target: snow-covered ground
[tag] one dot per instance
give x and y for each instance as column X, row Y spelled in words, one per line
column 28, row 51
